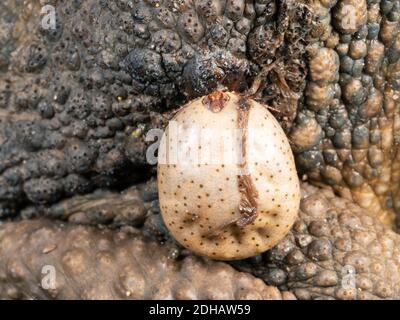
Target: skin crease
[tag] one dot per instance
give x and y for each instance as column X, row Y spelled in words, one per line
column 76, row 104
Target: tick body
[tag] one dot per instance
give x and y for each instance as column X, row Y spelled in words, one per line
column 225, row 160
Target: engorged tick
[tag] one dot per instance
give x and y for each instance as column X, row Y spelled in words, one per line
column 241, row 211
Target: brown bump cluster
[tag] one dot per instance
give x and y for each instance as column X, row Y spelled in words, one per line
column 332, row 239
column 335, row 250
column 251, row 201
column 130, row 267
column 324, row 66
column 345, row 133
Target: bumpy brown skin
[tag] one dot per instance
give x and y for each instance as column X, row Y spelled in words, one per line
column 75, row 104
column 336, row 250
column 77, row 101
column 101, row 264
column 103, row 207
column 346, row 131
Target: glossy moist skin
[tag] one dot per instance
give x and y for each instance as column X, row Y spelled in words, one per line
column 76, row 103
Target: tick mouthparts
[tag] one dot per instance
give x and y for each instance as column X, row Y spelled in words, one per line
column 216, row 101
